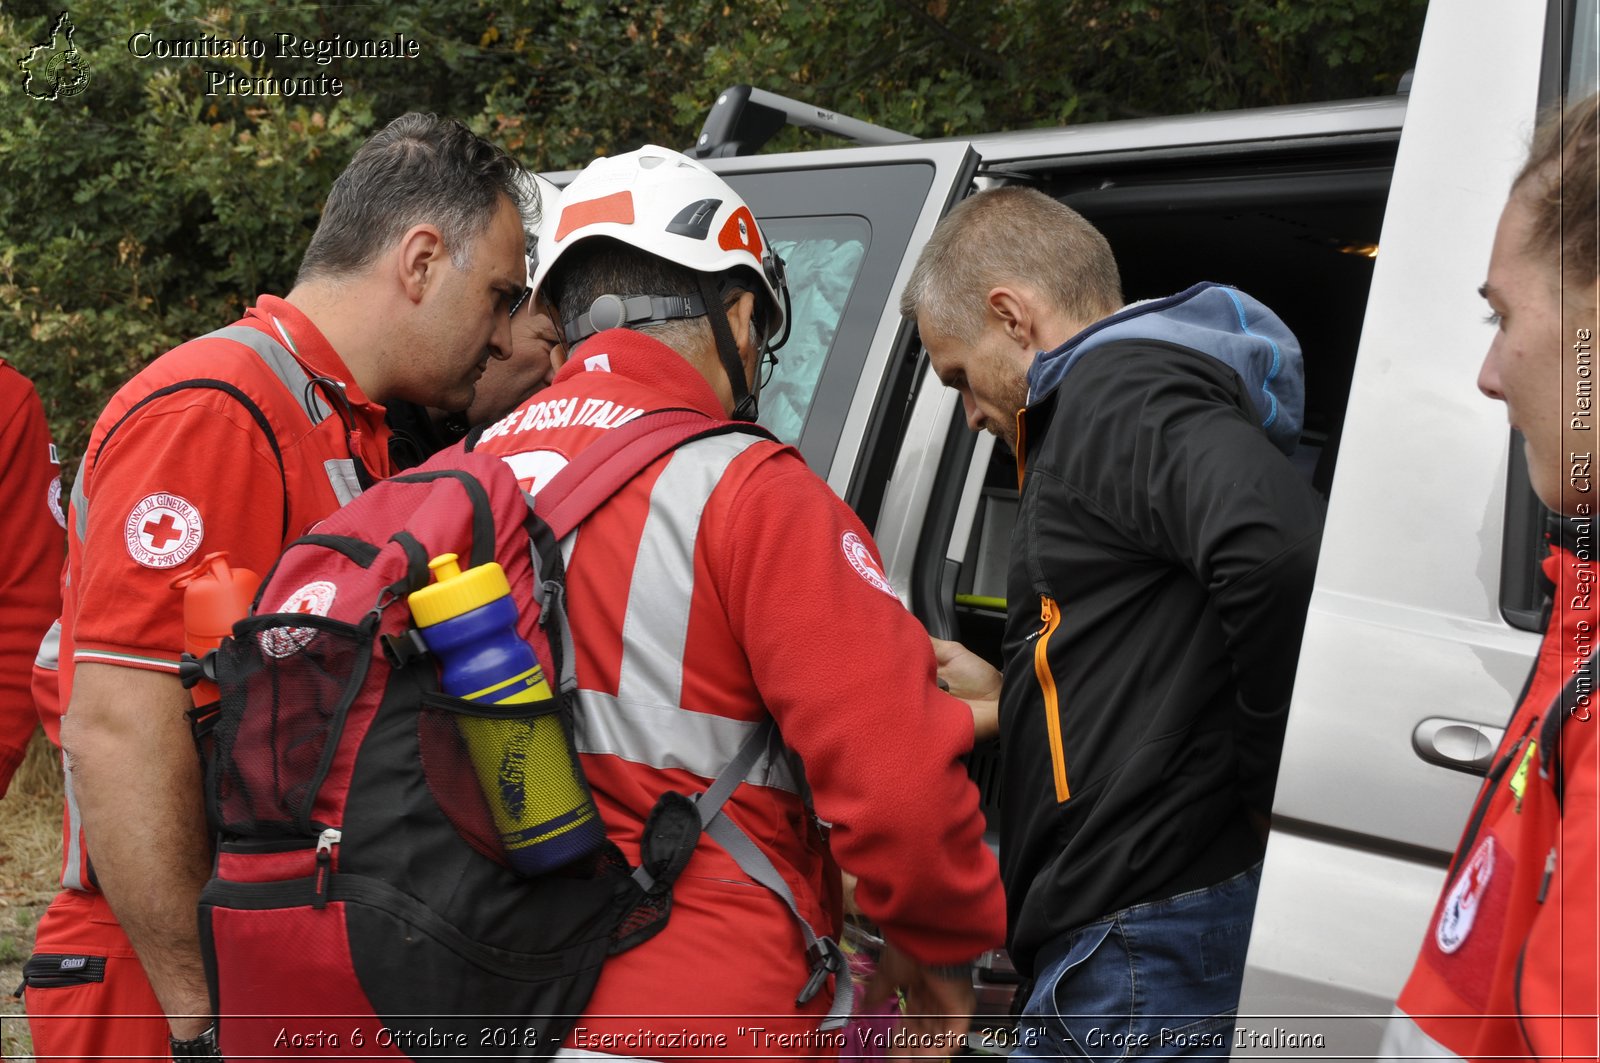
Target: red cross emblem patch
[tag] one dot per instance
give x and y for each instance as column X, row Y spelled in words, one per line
column 163, row 530
column 861, row 559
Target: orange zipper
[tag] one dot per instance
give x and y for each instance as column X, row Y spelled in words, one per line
column 1050, row 613
column 1022, row 447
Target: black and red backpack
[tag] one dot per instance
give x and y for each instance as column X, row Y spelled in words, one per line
column 361, row 901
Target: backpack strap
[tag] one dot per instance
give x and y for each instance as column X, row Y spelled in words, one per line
column 297, row 383
column 1574, row 702
column 621, row 454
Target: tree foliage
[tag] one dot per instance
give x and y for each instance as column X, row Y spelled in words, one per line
column 143, row 210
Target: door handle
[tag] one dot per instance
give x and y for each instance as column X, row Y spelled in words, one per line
column 1456, row 744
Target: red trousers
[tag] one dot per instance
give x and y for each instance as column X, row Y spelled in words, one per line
column 94, row 1001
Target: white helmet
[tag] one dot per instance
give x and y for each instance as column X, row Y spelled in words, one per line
column 667, row 204
column 548, row 196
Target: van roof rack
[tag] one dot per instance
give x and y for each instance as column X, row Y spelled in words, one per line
column 744, row 118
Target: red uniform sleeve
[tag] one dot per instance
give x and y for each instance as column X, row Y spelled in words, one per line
column 848, row 674
column 35, row 538
column 188, row 475
column 1560, row 995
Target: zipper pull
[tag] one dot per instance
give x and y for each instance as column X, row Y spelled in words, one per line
column 1549, row 872
column 1044, row 618
column 324, row 873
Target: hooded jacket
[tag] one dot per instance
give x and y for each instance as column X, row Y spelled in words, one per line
column 1162, row 561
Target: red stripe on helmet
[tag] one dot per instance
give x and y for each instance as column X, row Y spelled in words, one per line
column 739, row 232
column 616, row 208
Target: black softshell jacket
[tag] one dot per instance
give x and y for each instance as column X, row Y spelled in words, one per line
column 1161, row 566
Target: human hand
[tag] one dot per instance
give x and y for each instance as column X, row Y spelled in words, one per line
column 973, row 680
column 939, row 1006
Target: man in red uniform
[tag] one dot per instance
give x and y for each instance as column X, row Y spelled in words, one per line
column 1509, row 962
column 31, row 524
column 240, row 441
column 747, row 591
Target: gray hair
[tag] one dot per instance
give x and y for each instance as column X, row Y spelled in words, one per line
column 602, row 265
column 418, row 169
column 1004, row 236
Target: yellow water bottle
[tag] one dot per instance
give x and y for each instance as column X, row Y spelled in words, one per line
column 523, row 760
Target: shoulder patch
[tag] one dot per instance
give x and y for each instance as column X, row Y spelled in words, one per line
column 162, row 530
column 861, row 559
column 53, row 500
column 1460, row 909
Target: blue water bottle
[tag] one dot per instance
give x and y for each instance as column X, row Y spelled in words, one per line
column 524, row 764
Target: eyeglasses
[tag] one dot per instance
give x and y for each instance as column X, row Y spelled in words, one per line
column 769, row 363
column 516, row 304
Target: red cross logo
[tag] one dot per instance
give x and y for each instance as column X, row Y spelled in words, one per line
column 163, row 532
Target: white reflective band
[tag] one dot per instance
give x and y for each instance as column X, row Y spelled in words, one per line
column 80, row 501
column 343, row 479
column 49, row 655
column 656, row 628
column 72, row 872
column 645, row 723
column 666, row 736
column 1404, row 1039
column 284, row 365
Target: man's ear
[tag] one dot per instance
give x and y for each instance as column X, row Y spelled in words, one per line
column 420, row 256
column 740, row 315
column 1013, row 307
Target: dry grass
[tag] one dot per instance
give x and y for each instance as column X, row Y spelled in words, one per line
column 30, row 869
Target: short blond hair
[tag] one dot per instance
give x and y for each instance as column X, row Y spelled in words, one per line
column 1005, row 236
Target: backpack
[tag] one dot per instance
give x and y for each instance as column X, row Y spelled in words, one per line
column 361, row 898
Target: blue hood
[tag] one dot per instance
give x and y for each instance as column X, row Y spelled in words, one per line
column 1213, row 319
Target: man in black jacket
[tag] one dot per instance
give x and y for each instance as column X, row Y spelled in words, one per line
column 1160, row 569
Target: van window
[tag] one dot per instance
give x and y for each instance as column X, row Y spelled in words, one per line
column 821, row 257
column 1583, row 61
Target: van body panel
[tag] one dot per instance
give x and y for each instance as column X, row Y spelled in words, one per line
column 1256, row 128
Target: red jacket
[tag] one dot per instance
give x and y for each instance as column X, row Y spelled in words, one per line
column 32, row 527
column 192, row 472
column 746, row 588
column 1509, row 962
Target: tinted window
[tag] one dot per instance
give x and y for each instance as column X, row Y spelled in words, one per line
column 822, row 258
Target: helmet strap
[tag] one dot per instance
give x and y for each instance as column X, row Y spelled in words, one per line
column 744, row 400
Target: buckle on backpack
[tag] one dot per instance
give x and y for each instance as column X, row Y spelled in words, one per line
column 404, row 647
column 825, row 958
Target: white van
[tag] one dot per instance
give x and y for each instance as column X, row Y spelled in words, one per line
column 1366, row 225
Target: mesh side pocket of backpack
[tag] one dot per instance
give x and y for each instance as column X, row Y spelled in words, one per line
column 287, row 683
column 447, row 767
column 508, row 779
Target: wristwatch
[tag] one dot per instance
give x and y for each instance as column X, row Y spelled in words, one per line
column 202, row 1046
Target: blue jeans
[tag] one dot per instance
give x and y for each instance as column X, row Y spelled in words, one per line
column 1157, row 979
